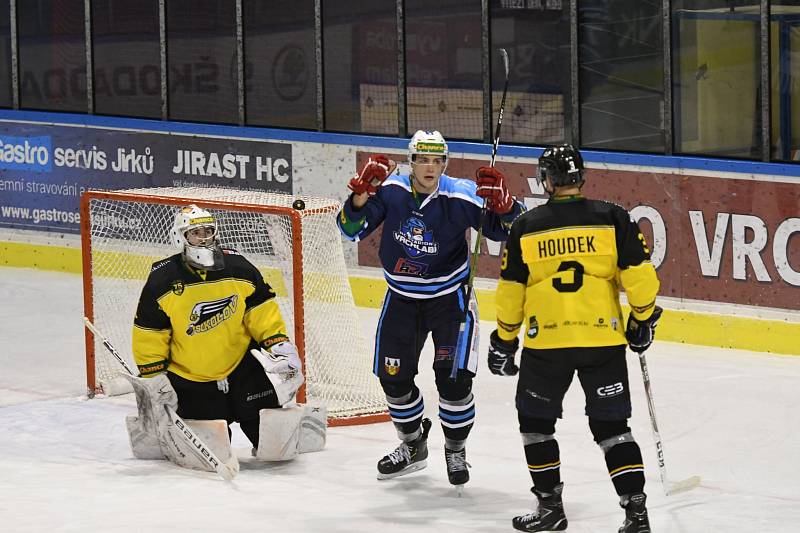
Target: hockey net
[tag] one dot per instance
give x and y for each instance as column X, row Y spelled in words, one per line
column 298, row 251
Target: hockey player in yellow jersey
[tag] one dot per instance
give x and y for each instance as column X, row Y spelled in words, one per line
column 209, row 330
column 562, row 270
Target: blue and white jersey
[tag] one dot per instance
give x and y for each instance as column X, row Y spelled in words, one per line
column 423, row 247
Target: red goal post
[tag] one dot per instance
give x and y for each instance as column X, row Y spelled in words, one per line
column 292, row 240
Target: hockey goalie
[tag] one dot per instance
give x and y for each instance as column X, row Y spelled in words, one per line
column 211, row 347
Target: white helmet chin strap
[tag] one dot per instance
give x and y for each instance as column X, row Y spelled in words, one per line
column 208, row 258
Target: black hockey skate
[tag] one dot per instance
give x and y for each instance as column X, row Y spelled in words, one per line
column 457, row 464
column 408, row 457
column 636, row 520
column 548, row 517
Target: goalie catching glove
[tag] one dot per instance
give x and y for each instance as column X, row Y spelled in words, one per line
column 282, row 365
column 492, row 188
column 372, row 175
column 640, row 333
column 501, row 355
column 279, row 358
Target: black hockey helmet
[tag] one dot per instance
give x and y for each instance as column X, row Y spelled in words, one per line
column 563, row 164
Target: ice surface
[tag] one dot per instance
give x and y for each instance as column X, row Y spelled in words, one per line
column 65, row 465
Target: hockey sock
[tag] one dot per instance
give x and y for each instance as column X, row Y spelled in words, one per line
column 544, row 463
column 626, row 468
column 541, row 452
column 456, row 408
column 457, row 417
column 623, row 456
column 406, row 408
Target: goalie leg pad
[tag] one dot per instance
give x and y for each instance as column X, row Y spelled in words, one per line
column 313, row 429
column 154, row 426
column 152, row 396
column 279, row 433
column 144, row 444
column 186, row 451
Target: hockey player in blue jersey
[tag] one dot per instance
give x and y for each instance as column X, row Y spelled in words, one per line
column 425, row 257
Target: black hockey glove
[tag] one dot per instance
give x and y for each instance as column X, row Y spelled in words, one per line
column 501, row 355
column 640, row 334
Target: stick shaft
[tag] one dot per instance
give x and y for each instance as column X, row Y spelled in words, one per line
column 473, row 262
column 662, row 468
column 110, row 347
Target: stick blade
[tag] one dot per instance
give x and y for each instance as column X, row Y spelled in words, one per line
column 684, row 485
column 504, row 55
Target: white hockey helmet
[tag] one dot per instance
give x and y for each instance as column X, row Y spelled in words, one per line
column 208, row 254
column 427, row 143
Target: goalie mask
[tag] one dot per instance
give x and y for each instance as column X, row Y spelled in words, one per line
column 194, row 232
column 563, row 164
column 430, row 143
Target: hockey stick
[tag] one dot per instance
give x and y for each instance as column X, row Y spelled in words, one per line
column 186, row 433
column 473, row 262
column 669, row 488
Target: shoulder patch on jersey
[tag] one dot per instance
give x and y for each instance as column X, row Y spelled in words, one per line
column 178, row 287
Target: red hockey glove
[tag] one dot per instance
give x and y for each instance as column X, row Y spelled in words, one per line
column 492, row 188
column 372, row 175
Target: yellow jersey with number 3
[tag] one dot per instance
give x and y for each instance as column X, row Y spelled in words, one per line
column 561, row 274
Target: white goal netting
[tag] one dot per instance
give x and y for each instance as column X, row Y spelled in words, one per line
column 127, row 231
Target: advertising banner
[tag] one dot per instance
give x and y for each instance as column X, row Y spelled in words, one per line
column 718, row 239
column 44, row 169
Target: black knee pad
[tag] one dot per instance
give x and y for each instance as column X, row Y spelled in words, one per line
column 536, row 425
column 605, row 429
column 453, row 389
column 397, row 389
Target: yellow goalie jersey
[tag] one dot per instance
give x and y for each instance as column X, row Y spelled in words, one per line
column 562, row 271
column 199, row 324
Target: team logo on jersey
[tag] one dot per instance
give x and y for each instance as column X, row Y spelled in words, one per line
column 444, row 353
column 405, row 266
column 533, row 328
column 614, row 389
column 208, row 315
column 537, row 396
column 416, row 239
column 177, row 288
column 391, row 365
